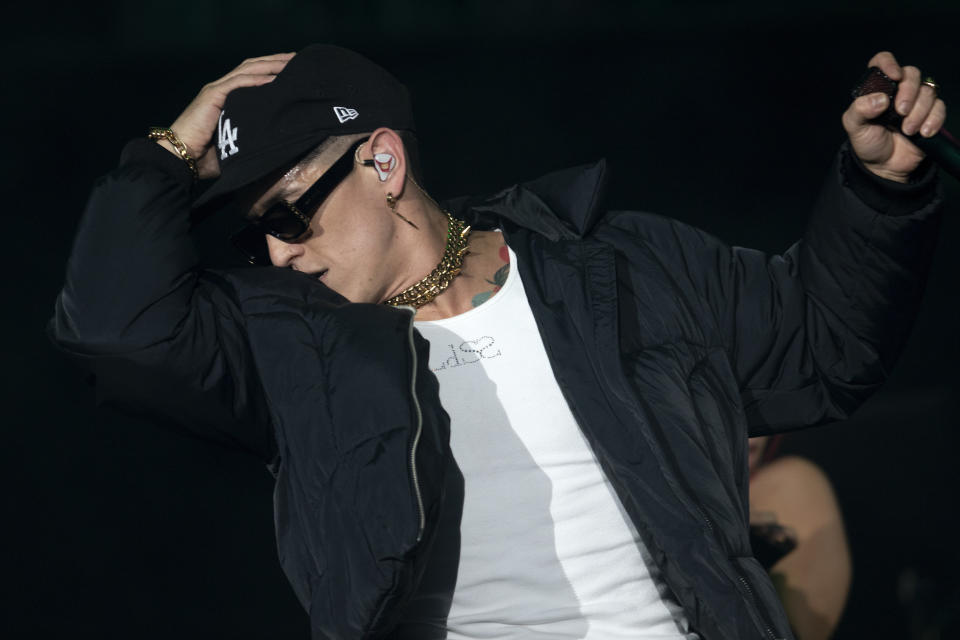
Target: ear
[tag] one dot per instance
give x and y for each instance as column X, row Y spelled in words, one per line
column 385, row 148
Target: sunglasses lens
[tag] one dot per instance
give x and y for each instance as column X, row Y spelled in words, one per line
column 284, row 220
column 279, row 221
column 252, row 243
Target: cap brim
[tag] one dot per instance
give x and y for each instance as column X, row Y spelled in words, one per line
column 246, row 171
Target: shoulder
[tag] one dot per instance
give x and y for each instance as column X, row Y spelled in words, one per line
column 789, row 476
column 665, row 236
column 797, row 490
column 641, row 223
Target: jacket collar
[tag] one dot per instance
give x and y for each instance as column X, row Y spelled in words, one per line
column 565, row 204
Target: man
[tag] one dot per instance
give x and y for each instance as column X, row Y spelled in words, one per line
column 569, row 457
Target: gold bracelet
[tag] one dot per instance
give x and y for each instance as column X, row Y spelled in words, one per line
column 166, row 133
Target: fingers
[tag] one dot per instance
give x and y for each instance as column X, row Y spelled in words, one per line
column 920, row 110
column 281, row 58
column 267, row 65
column 923, row 112
column 882, row 151
column 908, row 91
column 273, row 56
column 918, row 102
column 888, row 64
column 244, row 80
column 198, row 122
column 863, row 109
column 934, row 121
column 250, row 73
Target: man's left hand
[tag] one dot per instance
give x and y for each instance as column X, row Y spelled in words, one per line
column 886, row 153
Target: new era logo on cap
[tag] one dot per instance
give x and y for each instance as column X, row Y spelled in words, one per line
column 344, row 114
column 226, row 138
column 284, row 119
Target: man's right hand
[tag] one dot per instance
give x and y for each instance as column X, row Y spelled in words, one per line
column 196, row 124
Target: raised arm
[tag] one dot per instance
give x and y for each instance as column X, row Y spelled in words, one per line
column 812, row 332
column 158, row 335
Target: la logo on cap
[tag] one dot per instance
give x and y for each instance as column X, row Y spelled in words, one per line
column 344, row 114
column 227, row 138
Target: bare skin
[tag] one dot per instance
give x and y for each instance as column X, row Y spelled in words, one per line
column 887, row 154
column 354, row 226
column 814, row 579
column 195, row 126
column 361, row 250
column 358, row 247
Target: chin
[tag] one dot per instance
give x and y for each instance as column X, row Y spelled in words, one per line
column 353, row 296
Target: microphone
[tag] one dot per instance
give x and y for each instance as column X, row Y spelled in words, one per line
column 942, row 147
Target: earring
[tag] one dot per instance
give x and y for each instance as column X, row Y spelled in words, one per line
column 392, row 204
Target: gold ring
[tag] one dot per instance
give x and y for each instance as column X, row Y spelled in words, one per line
column 930, row 83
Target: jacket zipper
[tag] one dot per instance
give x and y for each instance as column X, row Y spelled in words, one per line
column 706, row 520
column 416, row 435
column 743, row 581
column 375, row 619
column 717, row 387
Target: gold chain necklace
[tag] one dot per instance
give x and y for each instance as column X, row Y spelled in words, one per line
column 440, row 278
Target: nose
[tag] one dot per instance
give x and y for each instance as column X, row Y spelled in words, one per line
column 283, row 254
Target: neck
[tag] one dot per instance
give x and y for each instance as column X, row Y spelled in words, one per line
column 416, row 250
column 480, row 265
column 441, row 276
column 423, row 249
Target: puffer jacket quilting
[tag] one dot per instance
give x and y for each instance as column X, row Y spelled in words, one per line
column 669, row 347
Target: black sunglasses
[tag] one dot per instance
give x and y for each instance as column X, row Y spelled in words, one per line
column 289, row 221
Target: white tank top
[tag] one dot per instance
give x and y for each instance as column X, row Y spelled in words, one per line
column 546, row 549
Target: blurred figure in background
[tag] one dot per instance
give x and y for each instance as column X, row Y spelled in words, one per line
column 797, row 533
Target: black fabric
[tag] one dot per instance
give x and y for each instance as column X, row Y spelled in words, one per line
column 266, row 127
column 669, row 346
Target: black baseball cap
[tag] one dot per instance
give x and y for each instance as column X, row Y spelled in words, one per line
column 323, row 91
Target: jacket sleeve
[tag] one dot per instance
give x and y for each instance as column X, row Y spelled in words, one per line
column 157, row 335
column 811, row 333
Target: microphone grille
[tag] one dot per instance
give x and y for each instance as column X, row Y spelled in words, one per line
column 876, row 81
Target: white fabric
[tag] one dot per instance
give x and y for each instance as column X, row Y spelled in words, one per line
column 546, row 550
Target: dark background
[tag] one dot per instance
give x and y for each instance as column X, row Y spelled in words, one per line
column 725, row 115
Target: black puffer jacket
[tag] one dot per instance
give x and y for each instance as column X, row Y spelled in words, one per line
column 669, row 347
